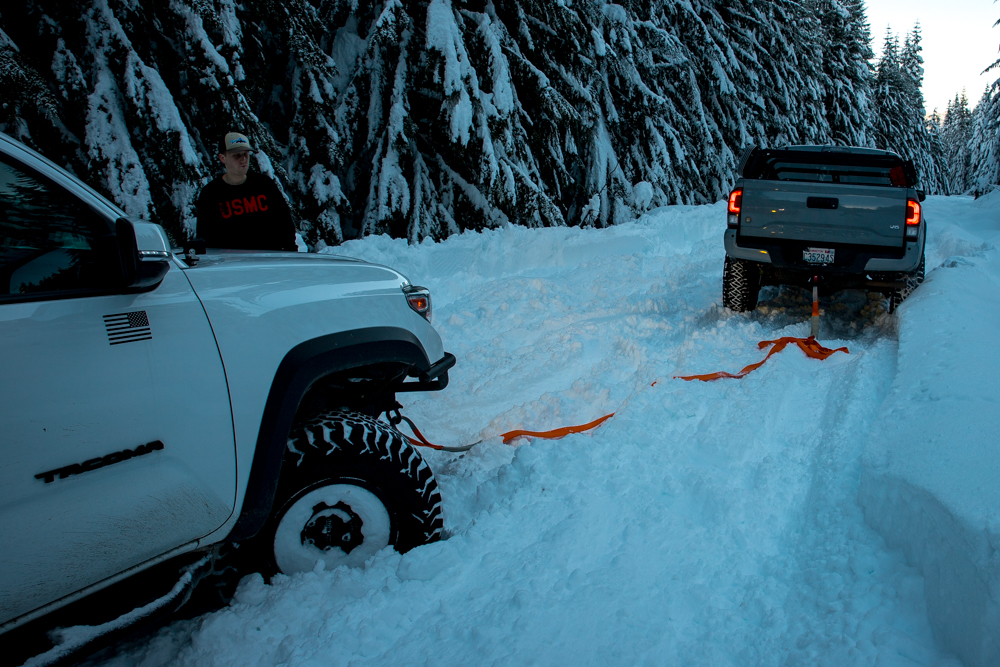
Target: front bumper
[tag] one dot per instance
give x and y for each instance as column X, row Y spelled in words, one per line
column 434, row 378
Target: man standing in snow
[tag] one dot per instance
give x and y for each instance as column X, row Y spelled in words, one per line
column 241, row 210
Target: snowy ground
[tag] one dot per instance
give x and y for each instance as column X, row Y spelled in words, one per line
column 705, row 524
column 930, row 469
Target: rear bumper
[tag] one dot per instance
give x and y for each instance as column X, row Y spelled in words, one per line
column 851, row 260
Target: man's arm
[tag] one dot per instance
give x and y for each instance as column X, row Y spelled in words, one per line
column 206, row 221
column 282, row 229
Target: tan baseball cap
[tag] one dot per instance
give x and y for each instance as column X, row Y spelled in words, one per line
column 234, row 141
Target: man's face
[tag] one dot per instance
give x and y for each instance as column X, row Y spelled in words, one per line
column 236, row 163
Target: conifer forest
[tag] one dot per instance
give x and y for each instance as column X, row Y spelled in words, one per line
column 421, row 119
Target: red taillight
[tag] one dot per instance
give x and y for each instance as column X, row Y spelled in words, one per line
column 912, row 212
column 735, row 200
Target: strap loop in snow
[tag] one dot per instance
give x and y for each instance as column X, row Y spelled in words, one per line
column 808, row 345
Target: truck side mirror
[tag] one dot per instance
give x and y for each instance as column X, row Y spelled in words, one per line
column 195, row 246
column 143, row 252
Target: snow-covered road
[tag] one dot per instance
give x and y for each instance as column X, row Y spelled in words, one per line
column 705, row 524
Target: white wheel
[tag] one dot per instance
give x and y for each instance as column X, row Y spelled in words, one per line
column 339, row 524
column 350, row 485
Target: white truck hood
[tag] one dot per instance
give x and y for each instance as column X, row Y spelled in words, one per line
column 259, row 282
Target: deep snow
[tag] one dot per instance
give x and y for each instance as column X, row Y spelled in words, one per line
column 931, row 469
column 705, row 524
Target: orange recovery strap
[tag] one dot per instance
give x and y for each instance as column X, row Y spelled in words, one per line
column 555, row 433
column 421, row 441
column 808, row 345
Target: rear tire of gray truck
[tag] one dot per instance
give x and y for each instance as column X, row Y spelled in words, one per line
column 912, row 281
column 740, row 285
column 350, row 486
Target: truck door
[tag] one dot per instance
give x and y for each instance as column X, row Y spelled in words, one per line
column 116, row 435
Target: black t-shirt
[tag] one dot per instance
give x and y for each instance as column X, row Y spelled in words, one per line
column 249, row 216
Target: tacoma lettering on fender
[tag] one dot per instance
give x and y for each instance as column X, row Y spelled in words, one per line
column 161, row 410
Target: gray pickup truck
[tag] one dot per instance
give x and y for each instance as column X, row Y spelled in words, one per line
column 836, row 217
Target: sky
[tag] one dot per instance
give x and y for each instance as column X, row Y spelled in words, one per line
column 958, row 39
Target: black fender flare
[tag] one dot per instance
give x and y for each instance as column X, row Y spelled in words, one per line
column 304, row 364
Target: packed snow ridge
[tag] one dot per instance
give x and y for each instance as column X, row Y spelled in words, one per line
column 836, row 512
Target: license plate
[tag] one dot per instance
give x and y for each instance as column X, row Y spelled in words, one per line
column 818, row 255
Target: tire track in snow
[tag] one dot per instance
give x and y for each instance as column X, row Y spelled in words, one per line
column 826, row 528
column 851, row 601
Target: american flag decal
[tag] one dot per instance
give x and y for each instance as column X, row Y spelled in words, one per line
column 127, row 327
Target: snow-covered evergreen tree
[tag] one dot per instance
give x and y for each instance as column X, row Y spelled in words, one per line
column 901, row 125
column 956, row 135
column 984, row 146
column 847, row 70
column 892, row 97
column 422, row 118
column 31, row 112
column 115, row 109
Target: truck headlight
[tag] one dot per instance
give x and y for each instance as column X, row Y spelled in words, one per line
column 419, row 299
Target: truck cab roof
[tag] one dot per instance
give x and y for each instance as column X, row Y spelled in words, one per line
column 806, row 162
column 849, row 150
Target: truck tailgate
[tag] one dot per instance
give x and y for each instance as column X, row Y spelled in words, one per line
column 824, row 213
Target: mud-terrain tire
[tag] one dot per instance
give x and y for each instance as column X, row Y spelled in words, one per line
column 912, row 281
column 740, row 285
column 350, row 485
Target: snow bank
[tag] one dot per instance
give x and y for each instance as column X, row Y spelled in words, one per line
column 932, row 464
column 471, row 258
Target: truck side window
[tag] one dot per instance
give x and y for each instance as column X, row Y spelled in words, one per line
column 51, row 244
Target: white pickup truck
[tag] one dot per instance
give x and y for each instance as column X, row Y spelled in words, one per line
column 157, row 410
column 831, row 216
